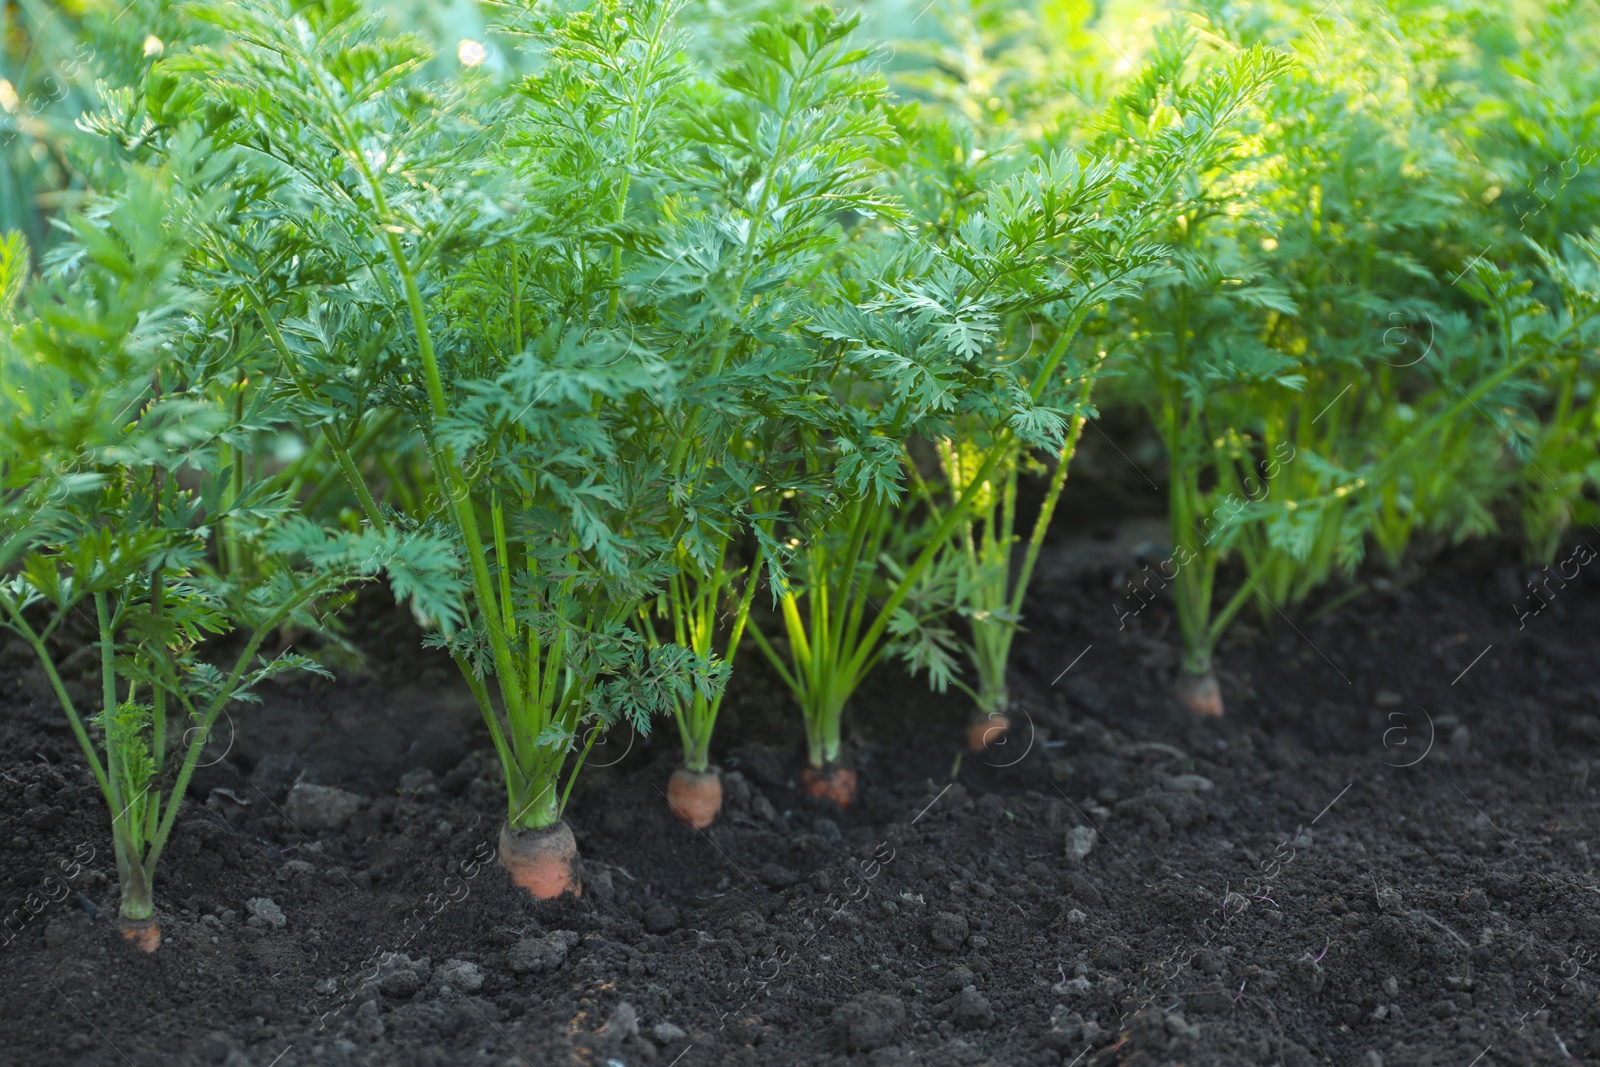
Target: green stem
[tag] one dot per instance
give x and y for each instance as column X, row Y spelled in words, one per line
column 132, row 873
column 538, row 811
column 857, row 663
column 137, row 903
column 235, row 546
column 572, row 775
column 108, row 701
column 450, row 476
column 774, row 659
column 1058, row 481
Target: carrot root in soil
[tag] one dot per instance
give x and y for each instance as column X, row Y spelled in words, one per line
column 142, row 934
column 695, row 797
column 543, row 861
column 1200, row 693
column 832, row 783
column 987, row 731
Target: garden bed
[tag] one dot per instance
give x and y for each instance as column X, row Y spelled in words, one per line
column 1381, row 855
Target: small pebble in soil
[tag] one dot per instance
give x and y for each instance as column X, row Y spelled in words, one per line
column 1181, row 1028
column 1076, row 917
column 313, row 808
column 1189, row 783
column 661, row 918
column 665, row 1032
column 533, row 954
column 868, row 1021
column 460, row 975
column 263, row 910
column 400, row 976
column 623, row 1024
column 1080, row 842
column 970, row 1010
column 368, row 1021
column 293, row 869
column 746, row 923
column 1389, row 899
column 420, row 783
column 948, row 930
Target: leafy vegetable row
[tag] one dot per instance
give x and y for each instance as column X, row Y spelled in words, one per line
column 615, row 357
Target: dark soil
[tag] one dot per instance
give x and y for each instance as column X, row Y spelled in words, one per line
column 1382, row 855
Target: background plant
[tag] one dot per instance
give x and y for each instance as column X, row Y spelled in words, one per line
column 909, row 347
column 1315, row 368
column 774, row 165
column 999, row 116
column 111, row 404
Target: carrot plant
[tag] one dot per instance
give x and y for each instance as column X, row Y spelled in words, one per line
column 1311, row 366
column 113, row 397
column 985, row 90
column 1180, row 369
column 776, row 163
column 1538, row 140
column 433, row 209
column 1105, row 253
column 1548, row 416
column 1361, row 218
column 908, row 350
column 584, row 292
column 1387, row 201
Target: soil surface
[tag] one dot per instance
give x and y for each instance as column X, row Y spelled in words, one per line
column 1382, row 856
